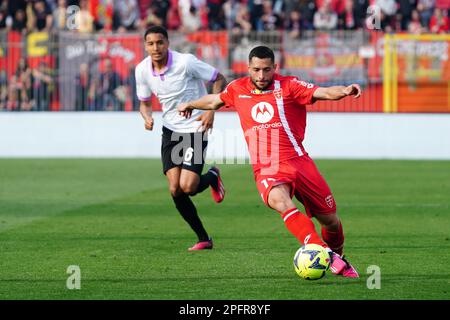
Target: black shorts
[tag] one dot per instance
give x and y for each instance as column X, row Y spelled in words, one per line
column 185, row 150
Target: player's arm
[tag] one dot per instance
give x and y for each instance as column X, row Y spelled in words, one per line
column 145, row 108
column 207, row 118
column 207, row 102
column 337, row 92
column 219, row 84
column 144, row 94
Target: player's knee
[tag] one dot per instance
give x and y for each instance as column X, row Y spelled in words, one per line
column 188, row 188
column 281, row 204
column 175, row 190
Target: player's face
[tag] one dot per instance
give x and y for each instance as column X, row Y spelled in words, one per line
column 157, row 46
column 261, row 72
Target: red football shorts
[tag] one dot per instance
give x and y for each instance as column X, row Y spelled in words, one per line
column 307, row 185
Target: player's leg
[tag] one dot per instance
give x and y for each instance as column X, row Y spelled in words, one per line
column 280, row 199
column 192, row 183
column 318, row 200
column 315, row 194
column 184, row 203
column 190, row 180
column 193, row 161
column 172, row 168
column 332, row 231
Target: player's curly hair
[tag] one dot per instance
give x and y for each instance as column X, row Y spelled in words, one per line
column 261, row 52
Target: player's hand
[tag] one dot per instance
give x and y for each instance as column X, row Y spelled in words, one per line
column 149, row 123
column 207, row 120
column 185, row 110
column 353, row 90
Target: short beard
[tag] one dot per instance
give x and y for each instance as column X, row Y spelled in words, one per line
column 265, row 87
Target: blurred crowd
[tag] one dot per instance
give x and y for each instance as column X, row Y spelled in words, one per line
column 35, row 88
column 415, row 16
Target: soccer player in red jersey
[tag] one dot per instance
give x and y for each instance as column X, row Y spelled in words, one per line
column 272, row 113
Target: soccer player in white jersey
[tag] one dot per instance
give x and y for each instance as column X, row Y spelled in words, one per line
column 174, row 78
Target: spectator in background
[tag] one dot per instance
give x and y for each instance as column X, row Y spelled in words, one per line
column 242, row 23
column 173, row 21
column 294, row 25
column 360, row 10
column 3, row 14
column 255, row 7
column 231, row 8
column 415, row 25
column 82, row 84
column 84, row 19
column 425, row 8
column 161, row 9
column 325, row 18
column 43, row 19
column 405, row 8
column 143, row 6
column 108, row 83
column 269, row 20
column 151, row 19
column 126, row 15
column 42, row 87
column 347, row 20
column 60, row 16
column 14, row 5
column 19, row 95
column 102, row 11
column 19, row 23
column 439, row 22
column 388, row 10
column 307, row 10
column 190, row 16
column 216, row 15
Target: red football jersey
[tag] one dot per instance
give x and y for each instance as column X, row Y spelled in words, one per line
column 273, row 120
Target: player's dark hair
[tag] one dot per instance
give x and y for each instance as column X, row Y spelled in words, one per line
column 156, row 29
column 261, row 52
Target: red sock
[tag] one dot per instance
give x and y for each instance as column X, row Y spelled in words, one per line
column 334, row 239
column 302, row 227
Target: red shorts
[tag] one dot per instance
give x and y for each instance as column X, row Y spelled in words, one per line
column 307, row 185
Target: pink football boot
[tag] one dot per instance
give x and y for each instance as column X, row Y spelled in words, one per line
column 218, row 193
column 340, row 266
column 202, row 245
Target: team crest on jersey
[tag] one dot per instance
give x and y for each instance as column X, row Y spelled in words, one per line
column 329, row 200
column 262, row 112
column 278, row 93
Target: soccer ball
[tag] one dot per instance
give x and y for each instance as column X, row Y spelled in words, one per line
column 311, row 261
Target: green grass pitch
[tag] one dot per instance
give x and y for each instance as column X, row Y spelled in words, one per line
column 116, row 221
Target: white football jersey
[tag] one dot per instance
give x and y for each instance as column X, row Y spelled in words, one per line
column 182, row 80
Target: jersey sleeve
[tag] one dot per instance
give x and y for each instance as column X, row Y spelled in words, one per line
column 302, row 91
column 143, row 91
column 227, row 95
column 201, row 70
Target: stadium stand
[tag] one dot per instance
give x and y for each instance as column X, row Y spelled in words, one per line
column 43, row 69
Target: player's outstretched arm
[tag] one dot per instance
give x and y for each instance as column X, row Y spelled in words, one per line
column 207, row 102
column 219, row 84
column 337, row 92
column 145, row 108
